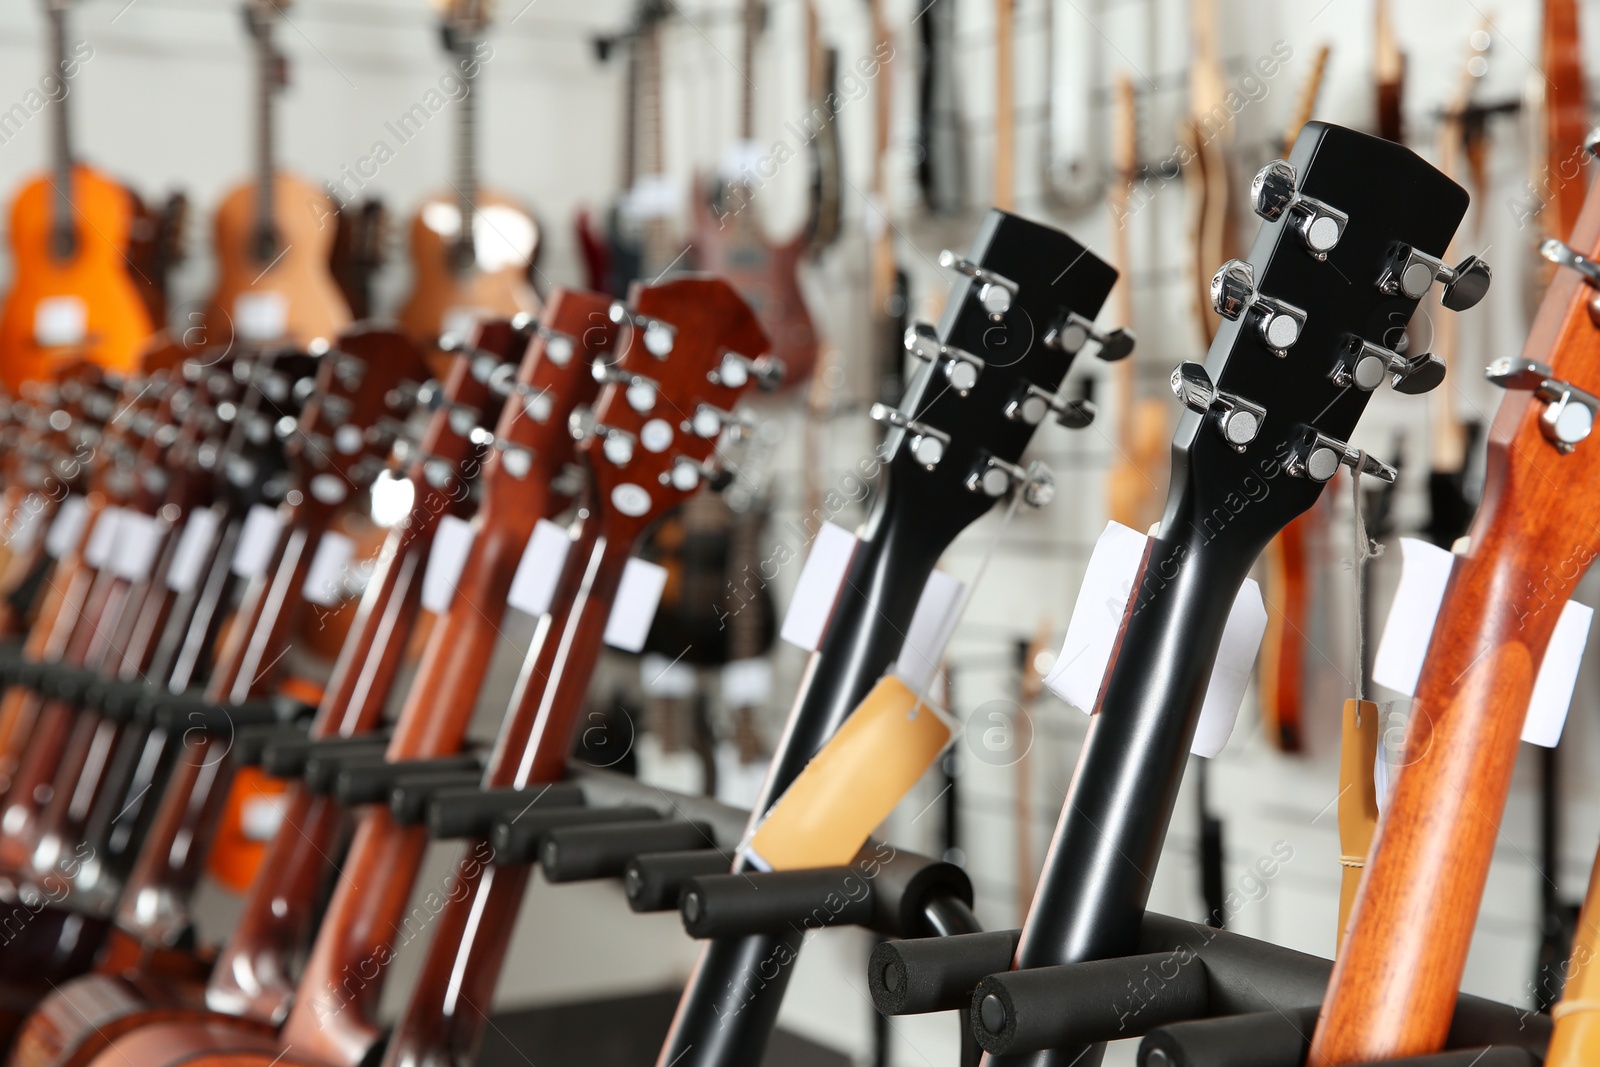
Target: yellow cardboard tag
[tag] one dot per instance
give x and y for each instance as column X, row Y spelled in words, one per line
column 852, row 785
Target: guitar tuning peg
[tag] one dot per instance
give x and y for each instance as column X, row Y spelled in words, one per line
column 961, row 368
column 1234, row 295
column 640, row 391
column 1569, row 412
column 1274, row 193
column 1318, row 457
column 995, row 477
column 709, row 422
column 687, row 474
column 1565, row 256
column 735, row 371
column 657, row 334
column 1192, row 385
column 927, row 444
column 995, row 292
column 558, row 347
column 1076, row 331
column 1410, row 273
column 1364, row 364
column 1237, row 419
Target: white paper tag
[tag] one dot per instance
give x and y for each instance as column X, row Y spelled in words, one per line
column 1080, row 669
column 103, row 537
column 542, row 559
column 258, row 540
column 746, row 683
column 931, row 625
column 330, row 563
column 654, row 196
column 60, row 320
column 452, row 540
column 667, row 678
column 194, row 544
column 1408, row 631
column 67, row 529
column 138, row 541
column 26, row 523
column 817, row 589
column 260, row 316
column 742, row 161
column 635, row 607
column 260, row 817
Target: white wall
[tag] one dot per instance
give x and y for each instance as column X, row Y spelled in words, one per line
column 164, row 101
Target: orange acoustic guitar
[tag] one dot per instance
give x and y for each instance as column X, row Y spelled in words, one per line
column 70, row 232
column 273, row 234
column 1393, row 990
column 471, row 248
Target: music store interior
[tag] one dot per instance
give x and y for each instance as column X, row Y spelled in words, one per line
column 712, row 533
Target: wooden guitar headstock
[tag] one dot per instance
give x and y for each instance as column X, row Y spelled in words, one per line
column 689, row 349
column 1314, row 321
column 464, row 21
column 260, row 18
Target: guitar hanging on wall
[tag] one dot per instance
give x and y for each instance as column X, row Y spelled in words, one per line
column 71, row 230
column 273, row 233
column 471, row 248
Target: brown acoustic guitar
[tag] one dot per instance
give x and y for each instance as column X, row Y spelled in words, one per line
column 274, row 233
column 71, row 229
column 471, row 247
column 1394, row 987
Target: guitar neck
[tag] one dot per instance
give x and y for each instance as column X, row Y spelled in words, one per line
column 266, row 164
column 747, row 94
column 64, row 231
column 1005, row 108
column 467, row 150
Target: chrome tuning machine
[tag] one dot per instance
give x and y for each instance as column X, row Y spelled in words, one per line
column 736, row 370
column 640, row 391
column 658, row 335
column 927, row 444
column 995, row 292
column 1565, row 256
column 1364, row 364
column 995, row 478
column 1275, row 193
column 1237, row 420
column 1234, row 296
column 1569, row 412
column 1076, row 331
column 961, row 368
column 1318, row 457
column 1032, row 404
column 687, row 474
column 1411, row 273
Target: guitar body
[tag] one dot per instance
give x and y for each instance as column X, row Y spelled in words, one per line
column 115, row 321
column 494, row 286
column 766, row 275
column 293, row 297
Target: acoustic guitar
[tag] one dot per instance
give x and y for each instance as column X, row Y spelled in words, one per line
column 471, row 248
column 273, row 235
column 72, row 296
column 1267, row 423
column 1394, row 988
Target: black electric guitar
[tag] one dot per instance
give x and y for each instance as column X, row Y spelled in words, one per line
column 1356, row 226
column 988, row 376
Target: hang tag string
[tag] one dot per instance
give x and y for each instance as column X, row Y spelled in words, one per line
column 1363, row 547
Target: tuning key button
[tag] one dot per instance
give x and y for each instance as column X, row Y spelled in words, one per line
column 995, row 477
column 558, row 346
column 735, row 371
column 686, row 474
column 927, row 444
column 1237, row 419
column 1233, row 296
column 1410, row 273
column 995, row 292
column 1569, row 412
column 961, row 368
column 1274, row 193
column 1192, row 385
column 1565, row 256
column 656, row 334
column 1076, row 331
column 1318, row 457
column 1030, row 405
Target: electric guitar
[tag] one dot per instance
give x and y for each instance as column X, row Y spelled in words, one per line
column 1394, row 987
column 1267, row 422
column 471, row 248
column 72, row 296
column 273, row 234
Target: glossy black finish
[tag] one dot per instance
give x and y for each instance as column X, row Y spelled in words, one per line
column 1223, row 508
column 731, row 1002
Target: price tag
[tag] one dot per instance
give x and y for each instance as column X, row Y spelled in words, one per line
column 742, row 161
column 1097, row 617
column 446, row 559
column 324, row 585
column 1425, row 572
column 194, row 545
column 654, row 196
column 260, row 316
column 67, row 529
column 60, row 320
column 938, row 610
column 138, row 541
column 258, row 541
column 670, row 679
column 818, row 587
column 635, row 607
column 103, row 537
column 746, row 683
column 542, row 559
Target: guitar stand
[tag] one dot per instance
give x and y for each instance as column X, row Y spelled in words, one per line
column 1201, row 997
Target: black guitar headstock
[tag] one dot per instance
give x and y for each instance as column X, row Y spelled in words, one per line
column 992, row 371
column 1314, row 321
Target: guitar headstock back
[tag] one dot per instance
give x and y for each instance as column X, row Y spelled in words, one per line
column 464, row 22
column 688, row 351
column 1314, row 322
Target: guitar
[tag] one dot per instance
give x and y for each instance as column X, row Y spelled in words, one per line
column 729, row 242
column 1389, row 75
column 72, row 296
column 1419, row 899
column 1266, row 424
column 472, row 248
column 826, row 220
column 1023, row 307
column 1206, row 133
column 358, row 253
column 941, row 164
column 272, row 237
column 888, row 287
